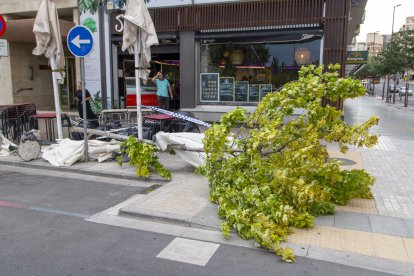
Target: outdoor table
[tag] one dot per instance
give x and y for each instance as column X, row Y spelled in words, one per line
column 49, row 123
column 162, row 120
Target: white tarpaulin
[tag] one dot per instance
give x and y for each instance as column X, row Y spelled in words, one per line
column 186, row 140
column 49, row 43
column 137, row 19
column 68, row 152
column 47, row 32
column 5, row 147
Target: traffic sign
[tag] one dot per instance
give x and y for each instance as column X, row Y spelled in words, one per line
column 80, row 41
column 2, row 26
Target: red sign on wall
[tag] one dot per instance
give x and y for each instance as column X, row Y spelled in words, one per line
column 2, row 26
column 146, row 99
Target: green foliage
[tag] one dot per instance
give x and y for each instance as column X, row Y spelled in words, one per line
column 90, row 24
column 143, row 157
column 274, row 173
column 375, row 67
column 88, row 5
column 398, row 56
column 96, row 103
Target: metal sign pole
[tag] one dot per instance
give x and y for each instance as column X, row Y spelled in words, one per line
column 85, row 120
column 138, row 84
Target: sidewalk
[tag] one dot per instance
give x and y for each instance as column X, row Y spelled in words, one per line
column 375, row 234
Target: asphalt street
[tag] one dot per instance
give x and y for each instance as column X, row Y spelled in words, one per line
column 43, row 231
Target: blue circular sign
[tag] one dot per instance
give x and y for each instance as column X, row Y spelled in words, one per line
column 80, row 41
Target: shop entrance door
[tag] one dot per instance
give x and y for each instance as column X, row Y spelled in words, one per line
column 169, row 64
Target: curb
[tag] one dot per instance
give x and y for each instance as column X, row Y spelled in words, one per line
column 84, row 172
column 177, row 219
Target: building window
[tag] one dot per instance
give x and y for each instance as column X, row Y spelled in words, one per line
column 244, row 73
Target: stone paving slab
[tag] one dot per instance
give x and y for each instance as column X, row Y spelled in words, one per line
column 365, row 243
column 369, row 223
column 357, row 205
column 353, row 221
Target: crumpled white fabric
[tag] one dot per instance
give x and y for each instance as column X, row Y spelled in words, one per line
column 48, row 38
column 137, row 16
column 5, row 146
column 187, row 139
column 68, row 152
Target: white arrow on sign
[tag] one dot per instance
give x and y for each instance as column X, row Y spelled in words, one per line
column 77, row 41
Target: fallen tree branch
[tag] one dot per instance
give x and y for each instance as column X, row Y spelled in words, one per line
column 108, row 134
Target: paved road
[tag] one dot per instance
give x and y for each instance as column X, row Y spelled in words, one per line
column 391, row 161
column 43, row 232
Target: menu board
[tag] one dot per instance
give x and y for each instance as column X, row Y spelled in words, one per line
column 226, row 89
column 254, row 92
column 264, row 90
column 209, row 87
column 241, row 91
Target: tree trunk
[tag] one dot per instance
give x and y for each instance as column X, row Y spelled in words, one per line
column 406, row 90
column 373, row 86
column 388, row 89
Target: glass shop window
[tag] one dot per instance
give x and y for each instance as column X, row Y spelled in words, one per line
column 245, row 73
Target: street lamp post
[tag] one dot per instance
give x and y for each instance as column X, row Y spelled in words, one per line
column 393, row 14
column 392, row 33
column 374, row 54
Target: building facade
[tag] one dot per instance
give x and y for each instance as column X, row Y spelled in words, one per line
column 409, row 23
column 375, row 43
column 25, row 77
column 216, row 54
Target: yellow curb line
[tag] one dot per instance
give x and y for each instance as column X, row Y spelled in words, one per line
column 364, row 243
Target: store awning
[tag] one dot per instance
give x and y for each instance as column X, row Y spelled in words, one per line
column 21, row 30
column 274, row 36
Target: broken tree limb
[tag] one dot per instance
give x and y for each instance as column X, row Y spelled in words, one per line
column 107, row 134
column 185, row 148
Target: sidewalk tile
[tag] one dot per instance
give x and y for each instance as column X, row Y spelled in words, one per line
column 389, row 247
column 357, row 205
column 389, row 226
column 325, row 220
column 352, row 221
column 410, row 227
column 409, row 246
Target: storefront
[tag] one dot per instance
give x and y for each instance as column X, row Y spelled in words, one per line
column 241, row 68
column 218, row 55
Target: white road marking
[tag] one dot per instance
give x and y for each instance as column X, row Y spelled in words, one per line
column 189, row 251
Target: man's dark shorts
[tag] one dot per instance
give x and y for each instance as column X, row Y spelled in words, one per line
column 163, row 102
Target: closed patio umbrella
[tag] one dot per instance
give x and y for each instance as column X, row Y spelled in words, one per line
column 139, row 35
column 48, row 42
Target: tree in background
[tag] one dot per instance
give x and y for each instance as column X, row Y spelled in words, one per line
column 397, row 58
column 89, row 5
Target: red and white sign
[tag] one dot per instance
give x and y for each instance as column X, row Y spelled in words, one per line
column 148, row 96
column 2, row 26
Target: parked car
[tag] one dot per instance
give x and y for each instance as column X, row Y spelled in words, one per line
column 401, row 89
